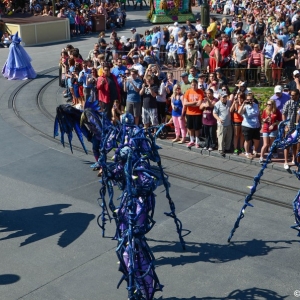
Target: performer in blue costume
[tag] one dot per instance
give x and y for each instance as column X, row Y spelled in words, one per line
column 18, row 66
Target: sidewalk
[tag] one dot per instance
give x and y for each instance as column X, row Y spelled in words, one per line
column 276, row 164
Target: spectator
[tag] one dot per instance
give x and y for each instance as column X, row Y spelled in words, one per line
column 185, row 84
column 212, row 28
column 181, row 50
column 268, row 52
column 279, row 97
column 156, row 38
column 137, row 66
column 108, row 90
column 192, row 101
column 214, row 57
column 208, row 120
column 271, row 117
column 101, row 42
column 255, row 62
column 161, row 99
column 191, row 56
column 91, row 53
column 135, row 38
column 295, row 83
column 222, row 114
column 289, row 57
column 83, row 75
column 237, row 119
column 289, row 112
column 250, row 125
column 149, row 93
column 193, row 74
column 178, row 114
column 132, row 86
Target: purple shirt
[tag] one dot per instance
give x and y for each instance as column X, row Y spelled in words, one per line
column 280, row 101
column 207, row 116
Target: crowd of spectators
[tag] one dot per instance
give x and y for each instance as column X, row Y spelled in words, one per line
column 210, row 103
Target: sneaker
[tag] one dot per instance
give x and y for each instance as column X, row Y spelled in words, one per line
column 190, row 144
column 197, row 145
column 242, row 150
column 286, row 166
column 95, row 165
column 249, row 156
column 210, row 149
column 261, row 160
column 254, row 153
column 275, row 155
column 236, row 152
column 293, row 163
column 205, row 148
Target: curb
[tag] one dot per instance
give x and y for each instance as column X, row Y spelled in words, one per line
column 227, row 156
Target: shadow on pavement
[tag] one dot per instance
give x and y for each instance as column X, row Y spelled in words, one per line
column 248, row 294
column 213, row 253
column 42, row 222
column 9, row 279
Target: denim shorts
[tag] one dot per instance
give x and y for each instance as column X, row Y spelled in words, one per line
column 270, row 134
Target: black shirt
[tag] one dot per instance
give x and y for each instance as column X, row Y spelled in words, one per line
column 288, row 54
column 102, row 40
column 112, row 88
column 239, row 24
column 148, row 100
column 296, row 26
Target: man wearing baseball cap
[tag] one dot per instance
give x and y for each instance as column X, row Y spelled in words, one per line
column 295, row 83
column 185, row 84
column 279, row 97
column 135, row 38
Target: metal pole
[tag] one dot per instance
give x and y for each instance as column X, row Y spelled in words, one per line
column 204, row 15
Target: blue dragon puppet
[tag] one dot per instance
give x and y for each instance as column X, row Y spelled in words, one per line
column 282, row 141
column 132, row 172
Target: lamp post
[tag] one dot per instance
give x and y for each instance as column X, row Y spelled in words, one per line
column 205, row 15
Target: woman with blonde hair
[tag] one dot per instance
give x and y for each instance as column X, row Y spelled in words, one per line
column 181, row 50
column 177, row 114
column 270, row 118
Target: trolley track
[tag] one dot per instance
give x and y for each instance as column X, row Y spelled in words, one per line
column 42, row 109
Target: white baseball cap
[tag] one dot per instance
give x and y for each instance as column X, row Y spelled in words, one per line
column 296, row 72
column 176, row 24
column 278, row 89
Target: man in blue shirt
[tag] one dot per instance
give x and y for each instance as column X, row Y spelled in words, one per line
column 83, row 76
column 119, row 71
column 156, row 38
column 284, row 37
column 268, row 51
column 279, row 97
column 132, row 86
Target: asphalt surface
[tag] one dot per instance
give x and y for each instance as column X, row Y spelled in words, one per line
column 51, row 246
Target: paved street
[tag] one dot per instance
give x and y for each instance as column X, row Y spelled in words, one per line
column 51, row 246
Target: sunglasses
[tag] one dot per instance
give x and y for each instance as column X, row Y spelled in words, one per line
column 269, row 104
column 223, row 89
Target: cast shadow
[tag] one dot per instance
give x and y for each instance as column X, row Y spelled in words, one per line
column 248, row 294
column 42, row 222
column 213, row 253
column 9, row 279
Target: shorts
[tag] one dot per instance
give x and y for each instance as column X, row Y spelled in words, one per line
column 236, row 123
column 272, row 134
column 194, row 122
column 133, row 108
column 149, row 115
column 251, row 133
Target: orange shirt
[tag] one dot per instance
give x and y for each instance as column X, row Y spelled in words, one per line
column 190, row 95
column 237, row 118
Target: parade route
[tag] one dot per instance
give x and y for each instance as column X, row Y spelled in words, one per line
column 51, row 246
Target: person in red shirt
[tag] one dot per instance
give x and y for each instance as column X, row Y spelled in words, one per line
column 108, row 90
column 192, row 101
column 270, row 118
column 225, row 47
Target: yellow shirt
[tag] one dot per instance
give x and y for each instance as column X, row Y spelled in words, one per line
column 212, row 29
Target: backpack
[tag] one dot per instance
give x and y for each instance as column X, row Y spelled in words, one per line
column 278, row 59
